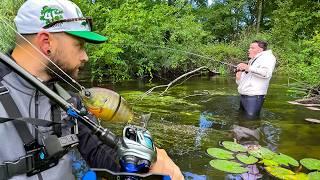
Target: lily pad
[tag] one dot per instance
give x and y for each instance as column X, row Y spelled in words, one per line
column 246, row 159
column 283, row 159
column 220, row 153
column 262, row 153
column 268, row 162
column 280, row 172
column 314, row 175
column 310, row 163
column 228, row 166
column 301, row 176
column 233, row 146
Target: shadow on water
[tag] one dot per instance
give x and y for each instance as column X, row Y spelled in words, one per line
column 200, row 113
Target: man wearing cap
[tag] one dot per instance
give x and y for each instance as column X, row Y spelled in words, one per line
column 52, row 30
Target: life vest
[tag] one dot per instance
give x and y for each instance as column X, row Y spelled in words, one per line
column 38, row 157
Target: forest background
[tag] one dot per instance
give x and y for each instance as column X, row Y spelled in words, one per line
column 155, row 39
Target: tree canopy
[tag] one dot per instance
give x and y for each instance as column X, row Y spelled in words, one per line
column 163, row 38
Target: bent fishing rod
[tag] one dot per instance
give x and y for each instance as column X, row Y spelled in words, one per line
column 105, row 135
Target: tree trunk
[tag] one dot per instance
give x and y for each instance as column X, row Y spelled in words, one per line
column 259, row 13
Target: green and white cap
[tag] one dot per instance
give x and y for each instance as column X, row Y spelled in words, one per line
column 55, row 16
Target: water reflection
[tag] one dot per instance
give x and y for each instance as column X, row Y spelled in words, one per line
column 189, row 175
column 255, row 132
column 206, row 120
column 252, row 174
column 245, row 132
column 266, row 134
column 186, row 137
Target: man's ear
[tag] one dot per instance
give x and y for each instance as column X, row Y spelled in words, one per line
column 44, row 41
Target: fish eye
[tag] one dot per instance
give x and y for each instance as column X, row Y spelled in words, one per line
column 87, row 93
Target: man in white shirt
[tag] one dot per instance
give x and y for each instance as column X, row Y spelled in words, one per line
column 253, row 78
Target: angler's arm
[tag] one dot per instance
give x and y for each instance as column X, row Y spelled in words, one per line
column 96, row 153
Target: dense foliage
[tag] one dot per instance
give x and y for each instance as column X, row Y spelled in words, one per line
column 150, row 38
column 167, row 38
column 8, row 10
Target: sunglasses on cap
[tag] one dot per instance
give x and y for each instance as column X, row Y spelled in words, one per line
column 54, row 23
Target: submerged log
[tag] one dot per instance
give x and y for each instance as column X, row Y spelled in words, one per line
column 310, row 103
column 312, row 120
column 310, row 100
column 297, row 103
column 313, row 108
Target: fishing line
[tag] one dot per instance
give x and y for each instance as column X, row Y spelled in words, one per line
column 206, row 57
column 47, row 58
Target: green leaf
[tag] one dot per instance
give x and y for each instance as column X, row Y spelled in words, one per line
column 283, row 159
column 228, row 166
column 280, row 172
column 301, row 176
column 314, row 175
column 268, row 162
column 246, row 159
column 311, row 164
column 220, row 153
column 232, row 146
column 262, row 153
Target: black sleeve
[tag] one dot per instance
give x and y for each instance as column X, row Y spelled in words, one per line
column 95, row 152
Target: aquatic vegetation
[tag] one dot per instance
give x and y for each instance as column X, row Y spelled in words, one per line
column 314, row 175
column 285, row 160
column 167, row 107
column 233, row 146
column 285, row 174
column 220, row 153
column 229, row 166
column 279, row 172
column 169, row 103
column 277, row 165
column 261, row 152
column 246, row 159
column 268, row 162
column 311, row 164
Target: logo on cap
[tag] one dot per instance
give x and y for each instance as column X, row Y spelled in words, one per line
column 80, row 15
column 49, row 15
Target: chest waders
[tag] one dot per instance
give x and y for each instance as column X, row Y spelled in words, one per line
column 38, row 157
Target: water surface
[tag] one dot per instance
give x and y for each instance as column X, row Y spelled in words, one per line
column 199, row 113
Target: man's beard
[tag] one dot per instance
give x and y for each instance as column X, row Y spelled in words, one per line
column 55, row 73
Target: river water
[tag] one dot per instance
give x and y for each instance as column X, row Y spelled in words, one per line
column 200, row 112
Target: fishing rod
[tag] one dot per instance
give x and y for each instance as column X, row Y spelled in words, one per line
column 194, row 54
